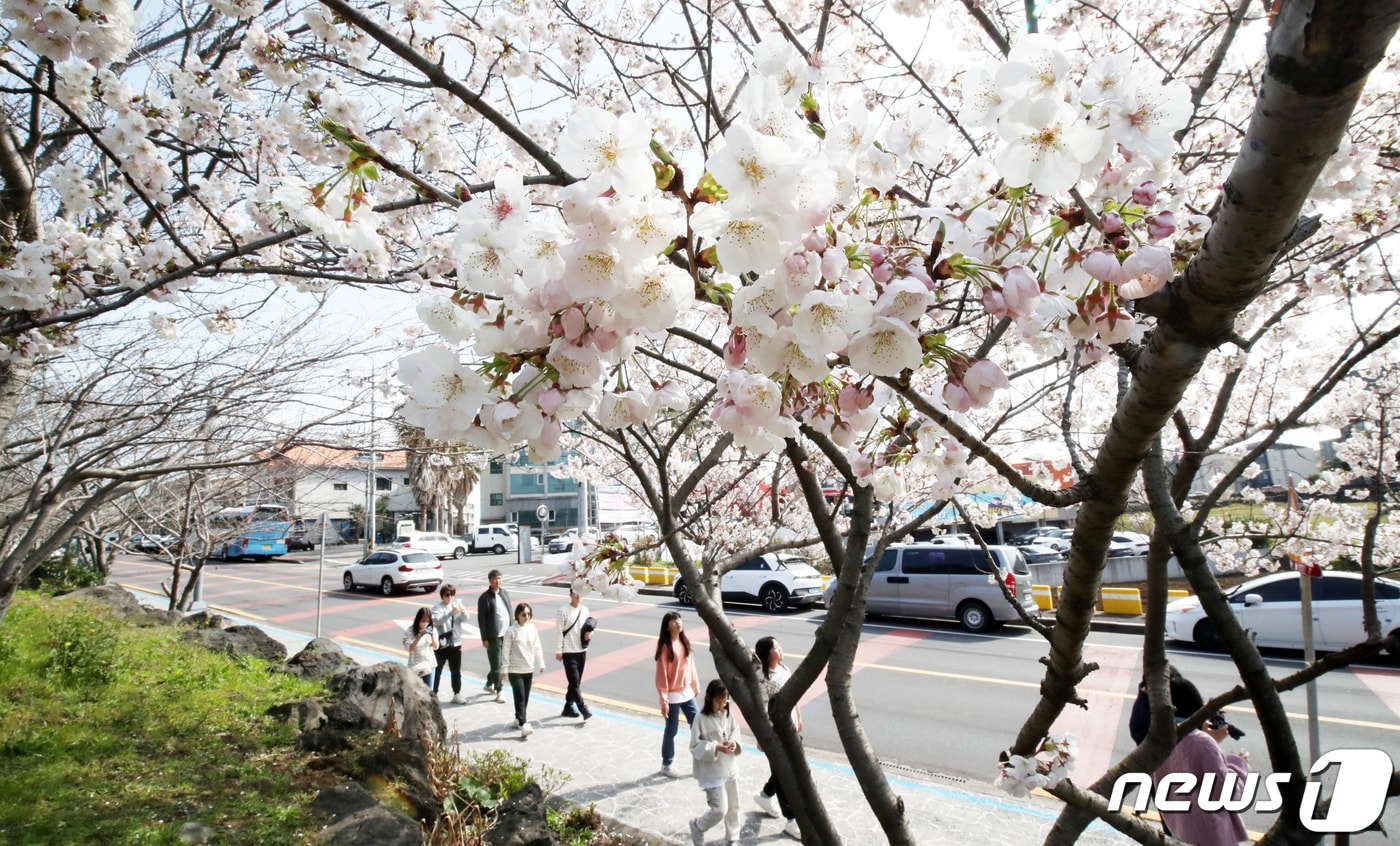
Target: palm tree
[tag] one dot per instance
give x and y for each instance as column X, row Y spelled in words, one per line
column 441, row 474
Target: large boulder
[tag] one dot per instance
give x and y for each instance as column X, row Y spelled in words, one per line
column 370, row 697
column 120, row 601
column 520, row 820
column 321, row 659
column 357, row 819
column 207, row 620
column 307, row 714
column 403, row 763
column 235, row 641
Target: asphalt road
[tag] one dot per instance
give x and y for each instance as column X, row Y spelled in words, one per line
column 933, row 699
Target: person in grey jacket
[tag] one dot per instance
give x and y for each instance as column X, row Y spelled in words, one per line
column 714, row 744
column 448, row 618
column 493, row 616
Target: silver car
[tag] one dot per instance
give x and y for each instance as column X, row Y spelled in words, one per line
column 949, row 581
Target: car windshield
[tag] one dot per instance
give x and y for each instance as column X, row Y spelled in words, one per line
column 419, row 558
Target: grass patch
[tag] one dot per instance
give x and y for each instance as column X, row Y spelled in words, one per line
column 116, row 734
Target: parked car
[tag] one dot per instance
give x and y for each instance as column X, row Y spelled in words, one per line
column 1271, row 608
column 153, row 544
column 299, row 541
column 1128, row 543
column 565, row 542
column 775, row 581
column 493, row 537
column 437, row 543
column 394, row 569
column 1037, row 554
column 949, row 581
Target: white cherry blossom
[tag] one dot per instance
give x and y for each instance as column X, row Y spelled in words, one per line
column 1047, row 144
column 887, row 348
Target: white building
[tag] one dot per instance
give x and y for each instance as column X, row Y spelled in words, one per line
column 315, row 480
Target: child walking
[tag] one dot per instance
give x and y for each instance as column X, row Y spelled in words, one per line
column 524, row 657
column 714, row 744
column 420, row 640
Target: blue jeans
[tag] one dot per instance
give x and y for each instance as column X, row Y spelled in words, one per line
column 673, row 724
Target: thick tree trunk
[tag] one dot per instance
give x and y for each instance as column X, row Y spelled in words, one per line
column 1320, row 54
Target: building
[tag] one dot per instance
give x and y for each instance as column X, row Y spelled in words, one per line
column 513, row 489
column 316, row 480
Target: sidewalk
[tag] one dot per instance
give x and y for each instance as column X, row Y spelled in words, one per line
column 614, row 760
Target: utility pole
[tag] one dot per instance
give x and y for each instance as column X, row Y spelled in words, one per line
column 371, row 517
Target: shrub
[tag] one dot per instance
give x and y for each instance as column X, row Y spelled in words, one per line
column 63, row 573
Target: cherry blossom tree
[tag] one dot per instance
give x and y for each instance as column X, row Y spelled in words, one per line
column 826, row 258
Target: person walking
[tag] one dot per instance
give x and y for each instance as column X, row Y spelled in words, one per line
column 493, row 618
column 775, row 675
column 420, row 640
column 524, row 657
column 676, row 683
column 571, row 651
column 448, row 618
column 715, row 748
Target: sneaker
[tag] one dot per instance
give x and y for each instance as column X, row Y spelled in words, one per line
column 569, row 712
column 526, row 729
column 459, row 699
column 670, row 771
column 766, row 803
column 500, row 697
column 586, row 713
column 487, row 688
column 791, row 830
column 697, row 836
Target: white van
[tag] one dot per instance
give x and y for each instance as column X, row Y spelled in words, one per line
column 493, row 537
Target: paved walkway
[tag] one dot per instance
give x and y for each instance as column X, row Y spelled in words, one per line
column 614, row 759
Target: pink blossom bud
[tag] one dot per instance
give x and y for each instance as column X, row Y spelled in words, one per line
column 796, row 263
column 1101, row 264
column 957, row 397
column 878, row 253
column 1161, row 225
column 1146, row 193
column 550, row 401
column 882, row 272
column 1111, row 223
column 994, row 302
column 815, row 242
column 1021, row 289
column 736, row 350
column 853, row 399
column 835, row 264
column 1115, row 327
column 574, row 323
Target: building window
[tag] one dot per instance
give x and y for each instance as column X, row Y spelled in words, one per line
column 341, row 486
column 498, row 499
column 406, row 481
column 497, row 468
column 383, row 484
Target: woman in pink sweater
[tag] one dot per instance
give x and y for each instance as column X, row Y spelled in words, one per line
column 1199, row 753
column 676, row 683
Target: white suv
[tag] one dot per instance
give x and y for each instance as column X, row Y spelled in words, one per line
column 775, row 581
column 436, row 543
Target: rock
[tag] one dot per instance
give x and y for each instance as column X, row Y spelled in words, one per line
column 324, row 741
column 369, row 697
column 195, row 833
column 307, row 714
column 343, row 800
column 520, row 820
column 322, row 658
column 241, row 640
column 207, row 620
column 402, row 762
column 373, row 826
column 113, row 596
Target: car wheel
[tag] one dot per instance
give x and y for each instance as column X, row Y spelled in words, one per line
column 459, row 552
column 975, row 617
column 498, row 549
column 348, row 582
column 1206, row 635
column 683, row 594
column 386, row 586
column 773, row 598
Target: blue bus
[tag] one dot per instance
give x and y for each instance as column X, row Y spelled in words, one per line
column 250, row 531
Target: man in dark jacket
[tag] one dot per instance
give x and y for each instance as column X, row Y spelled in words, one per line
column 493, row 617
